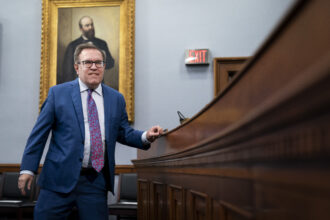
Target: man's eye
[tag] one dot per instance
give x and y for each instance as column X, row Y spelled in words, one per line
column 98, row 62
column 88, row 62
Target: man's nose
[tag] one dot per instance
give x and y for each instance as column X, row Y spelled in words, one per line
column 93, row 66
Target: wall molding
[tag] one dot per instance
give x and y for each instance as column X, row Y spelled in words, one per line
column 15, row 167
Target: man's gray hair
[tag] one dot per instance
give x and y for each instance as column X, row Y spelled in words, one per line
column 81, row 47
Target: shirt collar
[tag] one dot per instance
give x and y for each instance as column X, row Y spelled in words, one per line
column 83, row 36
column 84, row 88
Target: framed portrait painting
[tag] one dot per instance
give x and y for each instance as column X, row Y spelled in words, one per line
column 108, row 24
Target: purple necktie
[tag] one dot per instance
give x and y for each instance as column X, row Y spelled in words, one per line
column 95, row 133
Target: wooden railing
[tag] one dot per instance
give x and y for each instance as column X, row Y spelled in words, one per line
column 16, row 167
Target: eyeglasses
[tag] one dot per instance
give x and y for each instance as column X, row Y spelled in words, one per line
column 89, row 63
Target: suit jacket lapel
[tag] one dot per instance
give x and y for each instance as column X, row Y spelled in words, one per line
column 76, row 99
column 107, row 100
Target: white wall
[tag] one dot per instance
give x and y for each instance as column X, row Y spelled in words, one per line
column 164, row 28
column 163, row 84
column 20, row 40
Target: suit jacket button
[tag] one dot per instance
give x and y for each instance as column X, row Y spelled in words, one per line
column 80, row 159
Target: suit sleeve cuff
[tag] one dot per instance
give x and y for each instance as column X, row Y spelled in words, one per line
column 144, row 139
column 26, row 172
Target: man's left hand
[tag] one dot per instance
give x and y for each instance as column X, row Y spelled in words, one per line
column 154, row 132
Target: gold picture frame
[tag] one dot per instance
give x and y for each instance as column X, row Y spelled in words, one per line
column 50, row 35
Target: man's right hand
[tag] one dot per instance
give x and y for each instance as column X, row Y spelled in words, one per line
column 23, row 180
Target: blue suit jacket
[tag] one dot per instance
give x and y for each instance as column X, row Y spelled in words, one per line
column 62, row 114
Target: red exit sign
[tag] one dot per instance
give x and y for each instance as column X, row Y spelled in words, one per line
column 197, row 56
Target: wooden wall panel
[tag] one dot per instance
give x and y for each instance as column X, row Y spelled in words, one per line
column 199, row 206
column 167, row 201
column 158, row 201
column 218, row 211
column 176, row 199
column 144, row 199
column 284, row 202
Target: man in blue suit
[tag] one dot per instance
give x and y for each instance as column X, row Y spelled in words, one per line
column 86, row 119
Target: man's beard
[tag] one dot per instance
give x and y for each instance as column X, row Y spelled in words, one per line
column 90, row 34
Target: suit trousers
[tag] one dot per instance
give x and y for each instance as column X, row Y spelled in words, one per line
column 89, row 196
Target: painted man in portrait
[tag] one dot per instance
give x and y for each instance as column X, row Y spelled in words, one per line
column 86, row 26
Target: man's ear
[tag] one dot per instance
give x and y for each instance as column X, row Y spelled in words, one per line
column 76, row 67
